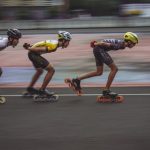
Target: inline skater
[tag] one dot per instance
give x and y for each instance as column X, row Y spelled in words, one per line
column 12, row 39
column 40, row 63
column 100, row 51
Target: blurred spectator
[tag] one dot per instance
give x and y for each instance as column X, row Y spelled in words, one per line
column 47, row 9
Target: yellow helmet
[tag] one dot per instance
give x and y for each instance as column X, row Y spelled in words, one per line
column 130, row 36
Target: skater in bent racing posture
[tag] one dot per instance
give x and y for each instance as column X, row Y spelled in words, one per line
column 12, row 39
column 40, row 63
column 100, row 51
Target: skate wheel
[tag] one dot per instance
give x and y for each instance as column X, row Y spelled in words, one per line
column 100, row 99
column 53, row 98
column 35, row 97
column 70, row 85
column 68, row 81
column 79, row 93
column 2, row 100
column 119, row 99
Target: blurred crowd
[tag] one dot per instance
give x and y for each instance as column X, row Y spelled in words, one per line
column 64, row 9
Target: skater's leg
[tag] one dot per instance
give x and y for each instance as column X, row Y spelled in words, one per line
column 76, row 81
column 48, row 77
column 112, row 74
column 98, row 72
column 36, row 76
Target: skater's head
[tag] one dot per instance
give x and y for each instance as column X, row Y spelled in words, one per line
column 13, row 36
column 64, row 38
column 131, row 39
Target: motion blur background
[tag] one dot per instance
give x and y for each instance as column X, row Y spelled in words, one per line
column 76, row 123
column 68, row 13
column 87, row 20
column 65, row 9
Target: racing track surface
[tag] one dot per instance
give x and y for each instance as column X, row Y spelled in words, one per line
column 76, row 123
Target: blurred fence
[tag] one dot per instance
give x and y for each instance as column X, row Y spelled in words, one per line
column 91, row 22
column 31, row 2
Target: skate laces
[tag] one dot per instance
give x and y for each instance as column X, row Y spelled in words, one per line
column 45, row 92
column 49, row 92
column 109, row 93
column 113, row 93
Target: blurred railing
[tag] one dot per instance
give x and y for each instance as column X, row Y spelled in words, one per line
column 31, row 2
column 96, row 22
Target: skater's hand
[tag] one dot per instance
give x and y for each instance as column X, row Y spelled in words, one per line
column 92, row 44
column 26, row 45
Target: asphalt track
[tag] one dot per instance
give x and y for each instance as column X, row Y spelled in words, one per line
column 76, row 122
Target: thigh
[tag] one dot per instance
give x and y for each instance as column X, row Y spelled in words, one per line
column 101, row 56
column 97, row 56
column 49, row 67
column 99, row 69
column 113, row 66
column 38, row 61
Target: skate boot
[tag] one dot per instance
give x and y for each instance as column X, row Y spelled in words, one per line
column 30, row 91
column 74, row 84
column 46, row 93
column 108, row 93
column 77, row 87
column 109, row 96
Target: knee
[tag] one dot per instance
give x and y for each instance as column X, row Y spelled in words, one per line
column 40, row 71
column 51, row 70
column 1, row 71
column 99, row 73
column 115, row 69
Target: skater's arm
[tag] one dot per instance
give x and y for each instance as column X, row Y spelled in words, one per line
column 39, row 49
column 101, row 44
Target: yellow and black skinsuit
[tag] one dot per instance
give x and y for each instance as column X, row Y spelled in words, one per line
column 36, row 58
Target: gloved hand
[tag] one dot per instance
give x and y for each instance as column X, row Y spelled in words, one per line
column 92, row 44
column 26, row 45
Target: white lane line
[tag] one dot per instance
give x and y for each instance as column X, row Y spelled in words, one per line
column 68, row 95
